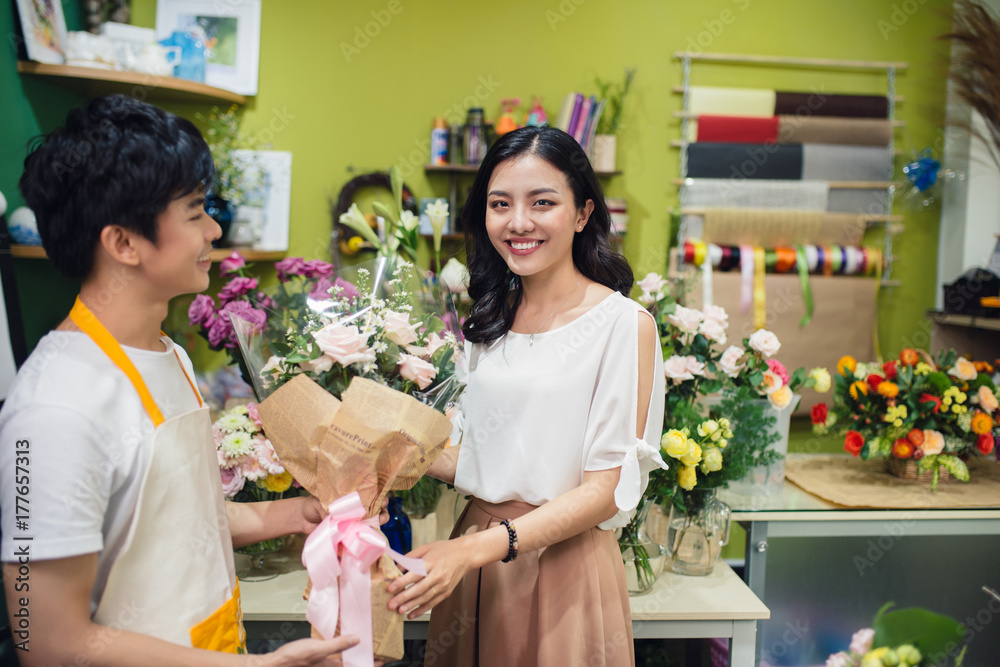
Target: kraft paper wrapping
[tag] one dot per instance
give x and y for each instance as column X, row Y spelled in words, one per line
column 829, row 130
column 831, row 162
column 827, row 104
column 853, row 482
column 843, row 319
column 770, row 228
column 711, row 100
column 374, row 441
column 757, row 193
column 769, row 161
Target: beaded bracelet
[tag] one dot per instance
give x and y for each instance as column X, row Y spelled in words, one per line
column 512, row 547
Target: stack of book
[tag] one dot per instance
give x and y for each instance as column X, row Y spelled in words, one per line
column 579, row 116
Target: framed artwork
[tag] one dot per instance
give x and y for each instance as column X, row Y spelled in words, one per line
column 262, row 217
column 44, row 28
column 231, row 31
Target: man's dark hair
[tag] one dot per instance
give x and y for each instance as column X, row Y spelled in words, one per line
column 118, row 161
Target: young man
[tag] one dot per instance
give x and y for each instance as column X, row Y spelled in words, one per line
column 117, row 545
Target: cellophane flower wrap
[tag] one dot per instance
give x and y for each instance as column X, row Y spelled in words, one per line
column 357, row 371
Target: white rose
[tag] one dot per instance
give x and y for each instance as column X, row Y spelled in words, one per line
column 730, row 361
column 652, row 283
column 716, row 314
column 455, row 276
column 765, row 342
column 675, row 368
column 344, row 344
column 398, row 328
column 693, row 366
column 686, row 319
column 714, row 331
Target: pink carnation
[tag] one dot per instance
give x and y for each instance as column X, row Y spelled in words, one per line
column 236, row 288
column 317, row 268
column 778, row 369
column 221, row 334
column 202, row 310
column 253, row 415
column 290, row 266
column 349, row 292
column 321, row 292
column 232, row 264
column 861, row 641
column 264, row 301
column 245, row 311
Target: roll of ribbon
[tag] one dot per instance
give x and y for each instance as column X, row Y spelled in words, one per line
column 746, row 278
column 699, row 252
column 812, row 258
column 759, row 289
column 828, row 254
column 785, row 260
column 688, row 252
column 714, row 255
column 804, row 286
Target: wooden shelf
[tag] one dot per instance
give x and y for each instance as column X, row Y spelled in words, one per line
column 94, row 81
column 217, row 255
column 473, row 168
column 971, row 321
column 445, row 237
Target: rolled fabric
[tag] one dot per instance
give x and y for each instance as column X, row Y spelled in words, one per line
column 834, row 162
column 746, row 277
column 713, row 100
column 830, row 130
column 812, row 258
column 768, row 161
column 844, row 200
column 738, row 129
column 770, row 227
column 758, row 193
column 827, row 104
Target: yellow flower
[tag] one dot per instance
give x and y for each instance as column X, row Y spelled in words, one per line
column 821, row 377
column 857, row 388
column 846, row 365
column 687, row 477
column 963, row 370
column 895, row 415
column 922, row 368
column 708, row 427
column 674, row 443
column 278, row 483
column 712, row 460
column 982, row 423
column 693, row 455
column 780, row 398
column 888, row 389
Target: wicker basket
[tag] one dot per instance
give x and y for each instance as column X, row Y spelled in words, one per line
column 910, row 469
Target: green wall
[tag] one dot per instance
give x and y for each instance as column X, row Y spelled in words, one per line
column 342, row 115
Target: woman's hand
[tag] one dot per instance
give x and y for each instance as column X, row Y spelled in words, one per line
column 311, row 652
column 447, row 561
column 313, row 512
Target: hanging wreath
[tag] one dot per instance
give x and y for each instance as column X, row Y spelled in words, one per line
column 343, row 239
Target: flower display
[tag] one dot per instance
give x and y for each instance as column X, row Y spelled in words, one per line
column 905, row 638
column 249, row 468
column 937, row 411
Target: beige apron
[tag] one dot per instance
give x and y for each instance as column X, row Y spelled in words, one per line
column 175, row 577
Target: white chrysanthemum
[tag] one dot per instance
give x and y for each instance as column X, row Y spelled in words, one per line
column 367, row 368
column 232, row 421
column 237, row 444
column 380, row 347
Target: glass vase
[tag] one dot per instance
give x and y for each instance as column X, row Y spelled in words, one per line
column 259, row 567
column 643, row 557
column 397, row 529
column 222, row 211
column 696, row 534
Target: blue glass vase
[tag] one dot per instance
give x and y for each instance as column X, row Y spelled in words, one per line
column 222, row 212
column 397, row 528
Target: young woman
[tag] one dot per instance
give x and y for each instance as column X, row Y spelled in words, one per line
column 563, row 415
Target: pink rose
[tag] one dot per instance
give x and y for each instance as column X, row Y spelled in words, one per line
column 652, row 283
column 729, row 363
column 317, row 268
column 253, row 318
column 398, row 328
column 771, row 383
column 232, row 481
column 675, row 368
column 861, row 642
column 320, row 364
column 764, row 342
column 716, row 314
column 221, row 334
column 693, row 366
column 344, row 344
column 290, row 266
column 685, row 319
column 417, row 370
column 236, row 288
column 232, row 264
column 434, row 343
column 714, row 331
column 987, row 399
column 778, row 369
column 201, row 310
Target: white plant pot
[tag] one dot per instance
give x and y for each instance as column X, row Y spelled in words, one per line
column 605, row 149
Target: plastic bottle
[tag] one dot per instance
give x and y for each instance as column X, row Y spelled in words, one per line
column 439, row 142
column 475, row 136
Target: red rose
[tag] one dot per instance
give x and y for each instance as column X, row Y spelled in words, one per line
column 889, row 368
column 930, row 398
column 853, row 442
column 873, row 381
column 819, row 413
column 984, row 443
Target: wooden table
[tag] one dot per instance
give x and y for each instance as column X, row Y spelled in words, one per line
column 719, row 605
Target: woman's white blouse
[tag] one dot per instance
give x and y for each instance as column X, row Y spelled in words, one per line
column 536, row 417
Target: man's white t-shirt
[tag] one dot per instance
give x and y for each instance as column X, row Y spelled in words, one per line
column 88, row 439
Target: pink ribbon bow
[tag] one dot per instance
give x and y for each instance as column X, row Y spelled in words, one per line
column 363, row 543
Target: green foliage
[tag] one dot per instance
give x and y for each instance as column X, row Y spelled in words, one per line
column 614, row 96
column 937, row 637
column 232, row 172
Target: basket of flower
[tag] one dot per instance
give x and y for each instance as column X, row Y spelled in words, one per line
column 925, row 415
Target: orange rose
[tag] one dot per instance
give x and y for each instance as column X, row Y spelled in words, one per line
column 982, row 423
column 888, row 389
column 857, row 388
column 846, row 365
column 916, row 436
column 902, row 448
column 853, row 442
column 909, row 357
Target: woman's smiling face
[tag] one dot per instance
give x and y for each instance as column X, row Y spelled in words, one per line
column 531, row 215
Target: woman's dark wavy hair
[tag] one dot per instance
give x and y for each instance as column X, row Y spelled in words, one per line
column 118, row 161
column 495, row 295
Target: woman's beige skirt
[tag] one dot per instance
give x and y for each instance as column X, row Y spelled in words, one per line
column 566, row 604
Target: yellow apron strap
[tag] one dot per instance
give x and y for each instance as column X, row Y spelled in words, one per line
column 90, row 325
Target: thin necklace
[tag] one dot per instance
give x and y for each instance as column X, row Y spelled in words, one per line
column 531, row 337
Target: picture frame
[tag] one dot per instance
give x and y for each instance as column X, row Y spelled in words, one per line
column 44, row 28
column 232, row 31
column 263, row 217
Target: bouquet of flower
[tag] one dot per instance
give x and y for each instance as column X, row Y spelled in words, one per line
column 937, row 411
column 904, row 638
